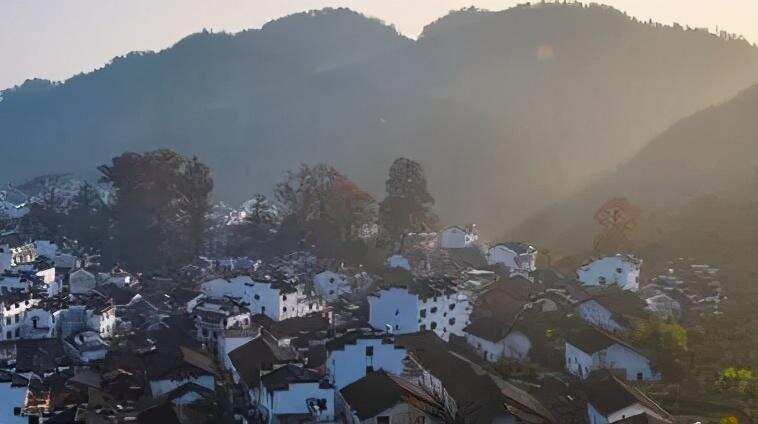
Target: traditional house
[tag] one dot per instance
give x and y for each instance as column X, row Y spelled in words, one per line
column 457, row 238
column 612, row 310
column 81, row 282
column 14, row 308
column 358, row 353
column 277, row 299
column 86, row 346
column 620, row 270
column 611, row 400
column 37, row 323
column 428, row 304
column 381, row 397
column 514, row 256
column 295, row 392
column 258, row 356
column 591, row 349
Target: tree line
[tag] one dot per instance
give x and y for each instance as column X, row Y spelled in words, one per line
column 156, row 217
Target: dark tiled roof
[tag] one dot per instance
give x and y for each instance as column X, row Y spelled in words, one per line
column 163, row 413
column 643, row 419
column 352, row 337
column 259, row 354
column 476, row 396
column 282, row 377
column 490, row 329
column 608, row 394
column 40, row 355
column 591, row 339
column 517, row 247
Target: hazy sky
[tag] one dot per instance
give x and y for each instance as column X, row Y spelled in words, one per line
column 58, row 38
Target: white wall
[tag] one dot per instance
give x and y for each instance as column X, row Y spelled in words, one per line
column 349, row 364
column 396, row 307
column 454, row 238
column 13, row 316
column 578, row 362
column 292, row 401
column 331, row 285
column 594, row 313
column 445, row 314
column 517, row 346
column 617, row 270
column 594, row 416
column 490, row 351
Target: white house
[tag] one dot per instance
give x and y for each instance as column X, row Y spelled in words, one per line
column 494, row 339
column 354, row 355
column 13, row 312
column 331, row 285
column 295, row 390
column 515, row 256
column 610, row 400
column 422, row 307
column 456, row 238
column 46, row 248
column 37, row 323
column 278, row 300
column 86, row 346
column 595, row 313
column 620, row 270
column 591, row 349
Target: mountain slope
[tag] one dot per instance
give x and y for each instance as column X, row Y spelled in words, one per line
column 698, row 178
column 508, row 111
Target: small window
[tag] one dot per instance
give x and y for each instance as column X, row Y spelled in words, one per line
column 601, row 280
column 639, row 376
column 7, row 320
column 18, row 332
column 397, row 327
column 433, row 310
column 619, row 270
column 284, row 309
column 451, row 306
column 331, row 291
column 369, row 369
column 17, row 317
column 422, row 313
column 433, row 325
column 9, row 335
column 422, row 327
column 311, row 306
column 397, row 312
column 257, row 297
column 284, row 297
column 369, row 350
column 451, row 321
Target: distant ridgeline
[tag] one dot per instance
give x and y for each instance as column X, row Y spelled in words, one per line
column 508, row 111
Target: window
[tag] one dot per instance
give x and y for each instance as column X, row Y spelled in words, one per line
column 422, row 327
column 422, row 313
column 433, row 325
column 331, row 291
column 284, row 309
column 369, row 369
column 397, row 312
column 601, row 280
column 619, row 270
column 18, row 332
column 433, row 310
column 284, row 297
column 7, row 320
column 639, row 376
column 17, row 318
column 9, row 335
column 451, row 306
column 369, row 350
column 451, row 321
column 397, row 327
column 257, row 297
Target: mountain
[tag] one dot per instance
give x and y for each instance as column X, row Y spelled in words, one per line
column 508, row 111
column 697, row 184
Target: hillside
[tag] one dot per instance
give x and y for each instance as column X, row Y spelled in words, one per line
column 697, row 184
column 508, row 111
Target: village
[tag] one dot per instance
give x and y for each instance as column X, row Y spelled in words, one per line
column 453, row 329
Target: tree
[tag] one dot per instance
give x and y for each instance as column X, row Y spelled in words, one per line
column 325, row 203
column 160, row 204
column 260, row 212
column 668, row 342
column 407, row 207
column 87, row 219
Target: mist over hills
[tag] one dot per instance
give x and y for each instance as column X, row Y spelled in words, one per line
column 508, row 111
column 697, row 184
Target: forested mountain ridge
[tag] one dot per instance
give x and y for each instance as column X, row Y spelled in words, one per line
column 508, row 111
